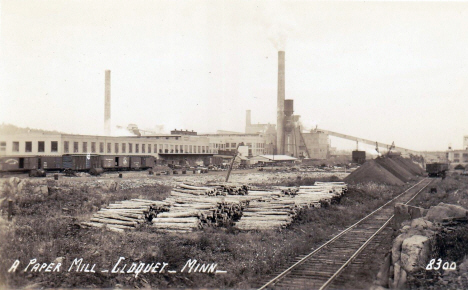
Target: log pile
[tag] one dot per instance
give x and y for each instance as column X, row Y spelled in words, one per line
column 127, row 214
column 191, row 207
column 277, row 209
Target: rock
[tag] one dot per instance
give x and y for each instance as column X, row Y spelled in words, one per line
column 41, row 189
column 384, row 272
column 415, row 253
column 421, row 224
column 14, row 181
column 405, row 212
column 401, row 280
column 445, row 211
column 396, row 275
column 59, row 260
column 396, row 248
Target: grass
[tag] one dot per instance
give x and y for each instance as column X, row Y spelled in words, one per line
column 43, row 230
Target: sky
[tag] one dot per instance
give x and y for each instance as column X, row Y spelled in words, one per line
column 384, row 71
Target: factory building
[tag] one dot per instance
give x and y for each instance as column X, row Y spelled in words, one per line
column 171, row 149
column 228, row 141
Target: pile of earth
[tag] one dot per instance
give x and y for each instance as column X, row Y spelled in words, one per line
column 394, row 170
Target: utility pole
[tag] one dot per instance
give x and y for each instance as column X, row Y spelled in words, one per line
column 233, row 158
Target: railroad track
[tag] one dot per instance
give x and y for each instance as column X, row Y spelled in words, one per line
column 319, row 268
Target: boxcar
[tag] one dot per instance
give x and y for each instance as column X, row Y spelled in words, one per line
column 50, row 162
column 436, row 169
column 135, row 162
column 18, row 163
column 80, row 162
column 147, row 162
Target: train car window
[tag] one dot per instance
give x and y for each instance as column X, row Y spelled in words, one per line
column 65, row 147
column 143, row 148
column 2, row 146
column 137, row 148
column 93, row 147
column 130, row 148
column 28, row 146
column 53, row 146
column 101, row 147
column 85, row 147
column 15, row 146
column 75, row 147
column 124, row 149
column 116, row 145
column 109, row 148
column 40, row 146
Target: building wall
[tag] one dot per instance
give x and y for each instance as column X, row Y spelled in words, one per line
column 465, row 142
column 15, row 145
column 255, row 142
column 317, row 145
column 456, row 157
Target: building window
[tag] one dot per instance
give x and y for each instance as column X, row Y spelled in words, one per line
column 40, row 146
column 93, row 147
column 75, row 147
column 172, row 148
column 66, row 147
column 149, row 148
column 53, row 146
column 155, row 148
column 137, row 148
column 2, row 146
column 130, row 148
column 109, row 147
column 15, row 146
column 227, row 145
column 465, row 155
column 456, row 160
column 124, row 149
column 28, row 146
column 116, row 145
column 85, row 147
column 101, row 147
column 233, row 145
column 143, row 148
column 456, row 155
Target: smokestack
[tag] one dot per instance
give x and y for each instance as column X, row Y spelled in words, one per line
column 248, row 121
column 107, row 104
column 281, row 94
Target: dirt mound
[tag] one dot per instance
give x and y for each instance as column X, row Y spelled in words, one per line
column 390, row 170
column 373, row 171
column 395, row 168
column 410, row 165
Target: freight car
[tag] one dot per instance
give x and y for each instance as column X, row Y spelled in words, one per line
column 75, row 162
column 437, row 169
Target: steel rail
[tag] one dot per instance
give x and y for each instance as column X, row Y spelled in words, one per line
column 285, row 272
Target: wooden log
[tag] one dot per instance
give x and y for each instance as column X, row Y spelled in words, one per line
column 176, row 214
column 99, row 225
column 112, row 221
column 175, row 220
column 118, row 217
column 193, row 187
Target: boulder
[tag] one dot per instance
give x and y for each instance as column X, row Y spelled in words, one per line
column 421, row 224
column 14, row 181
column 405, row 212
column 415, row 252
column 444, row 211
column 41, row 189
column 384, row 272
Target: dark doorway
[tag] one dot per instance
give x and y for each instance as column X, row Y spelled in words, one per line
column 21, row 163
column 116, row 161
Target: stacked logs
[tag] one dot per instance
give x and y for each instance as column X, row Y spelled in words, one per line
column 127, row 214
column 277, row 209
column 190, row 211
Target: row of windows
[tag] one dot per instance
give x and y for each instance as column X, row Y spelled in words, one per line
column 28, row 146
column 122, row 148
column 457, row 155
column 117, row 148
